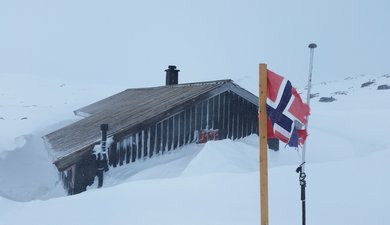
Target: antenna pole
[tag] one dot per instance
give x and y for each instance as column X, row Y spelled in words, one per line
column 312, row 46
column 301, row 168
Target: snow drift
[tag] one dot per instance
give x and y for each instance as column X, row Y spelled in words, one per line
column 212, row 183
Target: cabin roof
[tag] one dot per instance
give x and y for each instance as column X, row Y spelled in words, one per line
column 132, row 108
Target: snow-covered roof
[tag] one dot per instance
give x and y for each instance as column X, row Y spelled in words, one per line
column 127, row 111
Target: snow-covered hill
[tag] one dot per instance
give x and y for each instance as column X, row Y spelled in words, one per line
column 214, row 183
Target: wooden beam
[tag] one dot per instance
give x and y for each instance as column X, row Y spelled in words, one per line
column 263, row 157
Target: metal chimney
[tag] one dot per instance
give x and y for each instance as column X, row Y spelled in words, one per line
column 172, row 76
column 104, row 129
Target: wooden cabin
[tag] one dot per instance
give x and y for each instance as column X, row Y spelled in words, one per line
column 147, row 122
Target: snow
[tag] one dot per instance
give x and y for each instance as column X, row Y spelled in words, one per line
column 29, row 103
column 348, row 155
column 237, row 158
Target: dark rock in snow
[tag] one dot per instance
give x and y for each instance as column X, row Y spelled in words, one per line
column 366, row 84
column 340, row 93
column 315, row 95
column 327, row 99
column 383, row 87
column 23, row 118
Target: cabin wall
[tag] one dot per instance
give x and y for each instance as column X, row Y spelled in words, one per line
column 233, row 117
column 79, row 176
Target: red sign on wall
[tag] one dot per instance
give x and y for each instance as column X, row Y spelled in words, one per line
column 207, row 135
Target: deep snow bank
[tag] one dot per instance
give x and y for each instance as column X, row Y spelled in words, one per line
column 225, row 156
column 26, row 173
column 160, row 193
column 223, row 194
column 31, row 106
column 29, row 103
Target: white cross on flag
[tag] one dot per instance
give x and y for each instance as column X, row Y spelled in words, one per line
column 287, row 114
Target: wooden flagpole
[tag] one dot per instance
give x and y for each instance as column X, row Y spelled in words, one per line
column 263, row 157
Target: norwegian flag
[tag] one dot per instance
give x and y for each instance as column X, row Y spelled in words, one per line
column 287, row 114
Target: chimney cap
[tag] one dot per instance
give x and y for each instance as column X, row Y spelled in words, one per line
column 312, row 45
column 172, row 67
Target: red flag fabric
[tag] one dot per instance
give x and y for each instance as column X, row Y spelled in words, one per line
column 287, row 114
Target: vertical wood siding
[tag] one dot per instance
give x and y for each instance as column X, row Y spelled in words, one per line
column 231, row 114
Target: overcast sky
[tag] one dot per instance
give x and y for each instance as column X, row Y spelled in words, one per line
column 120, row 41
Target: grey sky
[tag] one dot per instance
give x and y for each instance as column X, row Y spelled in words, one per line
column 104, row 41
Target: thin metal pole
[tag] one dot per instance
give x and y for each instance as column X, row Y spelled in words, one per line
column 312, row 46
column 302, row 182
column 301, row 168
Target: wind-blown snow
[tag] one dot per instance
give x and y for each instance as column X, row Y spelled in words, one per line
column 29, row 103
column 347, row 166
column 237, row 158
